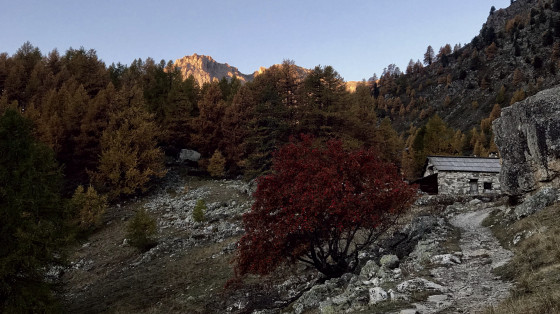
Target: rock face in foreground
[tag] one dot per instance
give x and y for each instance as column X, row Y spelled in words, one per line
column 528, row 137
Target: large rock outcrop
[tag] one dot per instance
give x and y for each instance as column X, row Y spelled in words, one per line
column 528, row 137
column 205, row 69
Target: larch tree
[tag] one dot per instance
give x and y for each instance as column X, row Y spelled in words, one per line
column 129, row 155
column 429, row 56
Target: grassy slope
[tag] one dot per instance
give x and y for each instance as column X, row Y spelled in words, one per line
column 535, row 267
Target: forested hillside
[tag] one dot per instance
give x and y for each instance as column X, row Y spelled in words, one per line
column 112, row 125
column 515, row 55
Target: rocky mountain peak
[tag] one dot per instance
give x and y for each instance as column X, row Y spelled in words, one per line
column 205, row 69
column 499, row 18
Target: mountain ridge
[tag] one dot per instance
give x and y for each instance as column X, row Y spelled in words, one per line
column 205, row 69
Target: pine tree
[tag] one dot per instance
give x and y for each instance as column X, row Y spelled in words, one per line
column 199, row 210
column 387, row 142
column 235, row 130
column 517, row 77
column 141, row 229
column 32, row 217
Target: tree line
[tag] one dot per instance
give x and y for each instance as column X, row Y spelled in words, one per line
column 112, row 126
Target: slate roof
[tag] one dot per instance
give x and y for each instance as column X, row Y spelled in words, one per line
column 468, row 164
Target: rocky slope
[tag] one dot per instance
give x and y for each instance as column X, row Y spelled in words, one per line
column 440, row 259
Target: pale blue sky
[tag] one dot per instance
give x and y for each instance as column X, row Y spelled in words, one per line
column 357, row 37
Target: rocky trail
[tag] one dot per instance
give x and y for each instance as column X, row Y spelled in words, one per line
column 468, row 279
column 446, row 265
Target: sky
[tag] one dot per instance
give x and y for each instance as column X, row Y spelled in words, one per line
column 356, row 37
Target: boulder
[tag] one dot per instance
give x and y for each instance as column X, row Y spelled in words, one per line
column 189, row 155
column 528, row 137
column 389, row 261
column 377, row 295
column 543, row 198
column 369, row 270
column 445, row 260
column 318, row 293
column 402, row 243
column 420, row 284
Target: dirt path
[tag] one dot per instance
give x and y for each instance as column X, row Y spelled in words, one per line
column 471, row 284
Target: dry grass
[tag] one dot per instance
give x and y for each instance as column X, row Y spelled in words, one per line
column 535, row 268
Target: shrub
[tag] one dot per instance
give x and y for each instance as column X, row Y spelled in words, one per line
column 140, row 230
column 199, row 210
column 89, row 206
column 216, row 165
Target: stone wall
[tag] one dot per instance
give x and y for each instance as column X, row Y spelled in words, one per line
column 459, row 183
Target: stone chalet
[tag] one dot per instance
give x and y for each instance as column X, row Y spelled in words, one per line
column 460, row 175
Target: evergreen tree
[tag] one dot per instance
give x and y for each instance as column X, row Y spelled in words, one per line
column 429, row 56
column 206, row 127
column 235, row 129
column 324, row 94
column 501, row 96
column 32, row 217
column 272, row 118
column 518, row 95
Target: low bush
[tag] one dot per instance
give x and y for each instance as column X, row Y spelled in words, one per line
column 199, row 210
column 140, row 230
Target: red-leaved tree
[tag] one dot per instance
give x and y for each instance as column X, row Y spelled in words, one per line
column 321, row 205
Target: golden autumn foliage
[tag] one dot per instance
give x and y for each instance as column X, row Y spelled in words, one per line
column 130, row 157
column 519, row 95
column 89, row 207
column 217, row 164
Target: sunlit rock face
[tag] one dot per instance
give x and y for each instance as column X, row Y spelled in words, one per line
column 528, row 137
column 205, row 69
